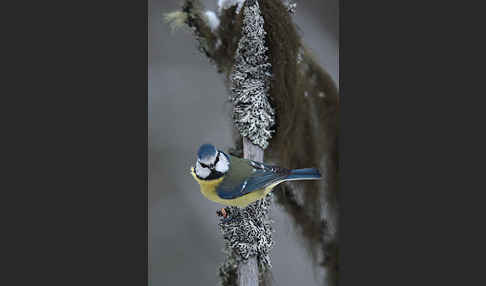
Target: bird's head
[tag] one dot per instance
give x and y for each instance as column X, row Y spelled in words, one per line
column 211, row 163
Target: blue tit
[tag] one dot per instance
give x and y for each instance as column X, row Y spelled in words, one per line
column 233, row 181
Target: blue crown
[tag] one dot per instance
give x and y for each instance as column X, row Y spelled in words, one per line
column 206, row 151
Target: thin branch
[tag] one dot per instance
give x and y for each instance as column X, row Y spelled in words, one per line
column 248, row 272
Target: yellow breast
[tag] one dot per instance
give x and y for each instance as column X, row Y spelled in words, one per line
column 208, row 189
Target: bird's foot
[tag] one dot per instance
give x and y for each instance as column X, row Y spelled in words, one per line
column 222, row 212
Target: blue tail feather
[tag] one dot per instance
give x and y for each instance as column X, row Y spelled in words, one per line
column 304, row 174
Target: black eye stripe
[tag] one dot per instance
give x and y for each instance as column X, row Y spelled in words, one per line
column 212, row 165
column 204, row 165
column 217, row 160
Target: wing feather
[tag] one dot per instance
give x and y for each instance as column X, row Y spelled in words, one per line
column 257, row 177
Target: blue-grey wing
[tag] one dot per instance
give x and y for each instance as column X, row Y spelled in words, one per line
column 262, row 175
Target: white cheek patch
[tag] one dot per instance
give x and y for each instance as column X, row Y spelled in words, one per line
column 223, row 165
column 202, row 172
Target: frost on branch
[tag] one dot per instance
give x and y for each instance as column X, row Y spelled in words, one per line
column 253, row 115
column 212, row 20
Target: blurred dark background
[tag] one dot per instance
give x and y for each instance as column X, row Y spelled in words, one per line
column 187, row 106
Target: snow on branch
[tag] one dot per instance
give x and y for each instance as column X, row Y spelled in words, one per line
column 291, row 6
column 225, row 4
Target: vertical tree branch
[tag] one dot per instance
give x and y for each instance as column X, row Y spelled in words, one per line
column 253, row 115
column 248, row 272
column 254, row 118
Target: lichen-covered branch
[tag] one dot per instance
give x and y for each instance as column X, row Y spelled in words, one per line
column 253, row 115
column 248, row 232
column 247, row 235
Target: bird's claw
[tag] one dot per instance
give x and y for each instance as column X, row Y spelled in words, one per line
column 222, row 212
